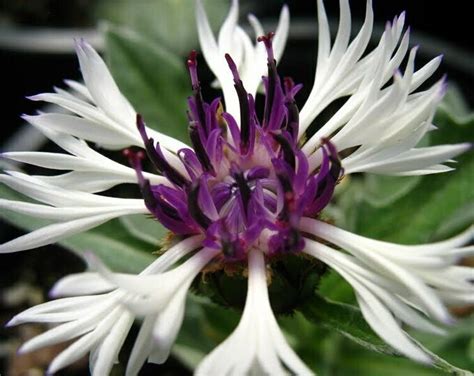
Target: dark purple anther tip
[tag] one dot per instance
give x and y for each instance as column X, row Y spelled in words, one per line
column 193, row 205
column 233, row 68
column 141, row 127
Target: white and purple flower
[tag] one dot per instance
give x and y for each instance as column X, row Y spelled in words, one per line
column 249, row 189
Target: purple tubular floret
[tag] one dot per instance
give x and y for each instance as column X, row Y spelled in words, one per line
column 286, row 149
column 273, row 90
column 191, row 163
column 199, row 149
column 157, row 158
column 292, row 113
column 196, row 104
column 193, row 205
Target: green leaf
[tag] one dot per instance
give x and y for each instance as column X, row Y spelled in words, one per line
column 144, row 228
column 455, row 345
column 334, row 287
column 111, row 242
column 455, row 105
column 355, row 360
column 383, row 190
column 154, row 79
column 169, row 23
column 348, row 321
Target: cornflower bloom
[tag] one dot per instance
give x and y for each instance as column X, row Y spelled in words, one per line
column 249, row 190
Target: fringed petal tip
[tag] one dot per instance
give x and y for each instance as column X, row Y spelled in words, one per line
column 14, row 321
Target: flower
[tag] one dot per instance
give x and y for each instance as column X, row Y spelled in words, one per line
column 248, row 191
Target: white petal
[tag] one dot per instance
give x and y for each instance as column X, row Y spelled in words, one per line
column 102, row 86
column 79, row 88
column 60, row 305
column 382, row 322
column 52, row 195
column 62, row 213
column 56, row 232
column 257, row 338
column 415, row 159
column 84, row 129
column 384, row 266
column 144, row 297
column 375, row 313
column 167, row 326
column 142, row 347
column 174, row 254
column 68, row 330
column 83, row 345
column 86, row 283
column 110, row 346
column 55, row 161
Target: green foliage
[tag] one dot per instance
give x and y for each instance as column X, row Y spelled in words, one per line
column 348, row 321
column 153, row 78
column 168, row 23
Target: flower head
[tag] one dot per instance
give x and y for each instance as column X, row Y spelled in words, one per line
column 248, row 190
column 246, row 185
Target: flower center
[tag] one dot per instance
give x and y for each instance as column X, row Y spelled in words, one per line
column 243, row 185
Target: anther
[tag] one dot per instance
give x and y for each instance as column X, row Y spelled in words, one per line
column 244, row 106
column 292, row 118
column 193, row 206
column 244, row 189
column 157, row 157
column 199, row 102
column 286, row 150
column 272, row 77
column 199, row 149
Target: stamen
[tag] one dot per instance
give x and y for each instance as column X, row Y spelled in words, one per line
column 244, row 189
column 193, row 205
column 233, row 68
column 158, row 159
column 286, row 149
column 244, row 106
column 199, row 149
column 199, row 102
column 293, row 116
column 288, row 194
column 273, row 79
column 336, row 169
column 135, row 159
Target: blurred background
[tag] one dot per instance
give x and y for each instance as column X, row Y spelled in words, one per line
column 139, row 38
